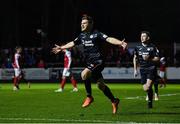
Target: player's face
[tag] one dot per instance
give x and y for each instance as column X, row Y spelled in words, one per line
column 144, row 37
column 19, row 50
column 84, row 25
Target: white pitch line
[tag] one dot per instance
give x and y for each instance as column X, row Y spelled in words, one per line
column 70, row 121
column 139, row 97
column 170, row 94
column 56, row 120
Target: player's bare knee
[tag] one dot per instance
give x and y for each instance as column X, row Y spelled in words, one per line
column 145, row 89
column 63, row 77
column 85, row 74
column 72, row 77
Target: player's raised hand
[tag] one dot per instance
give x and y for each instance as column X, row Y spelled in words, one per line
column 124, row 44
column 56, row 49
column 57, row 46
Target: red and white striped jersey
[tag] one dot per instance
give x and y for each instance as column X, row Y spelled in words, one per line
column 162, row 64
column 67, row 59
column 16, row 63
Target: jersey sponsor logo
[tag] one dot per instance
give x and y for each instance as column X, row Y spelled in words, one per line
column 88, row 43
column 143, row 53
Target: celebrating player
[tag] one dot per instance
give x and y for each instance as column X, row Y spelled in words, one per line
column 92, row 41
column 67, row 72
column 147, row 55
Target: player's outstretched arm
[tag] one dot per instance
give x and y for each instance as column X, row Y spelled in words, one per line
column 135, row 65
column 58, row 48
column 117, row 42
column 68, row 45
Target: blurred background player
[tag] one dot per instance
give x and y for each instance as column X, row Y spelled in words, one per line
column 147, row 55
column 162, row 72
column 17, row 65
column 67, row 72
column 161, row 78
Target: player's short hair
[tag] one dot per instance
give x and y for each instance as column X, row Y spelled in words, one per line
column 146, row 32
column 18, row 47
column 89, row 18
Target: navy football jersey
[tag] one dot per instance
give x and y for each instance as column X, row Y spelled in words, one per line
column 150, row 50
column 91, row 42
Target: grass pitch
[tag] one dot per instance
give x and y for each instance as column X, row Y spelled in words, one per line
column 41, row 104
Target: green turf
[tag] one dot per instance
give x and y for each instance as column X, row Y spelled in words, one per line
column 41, row 104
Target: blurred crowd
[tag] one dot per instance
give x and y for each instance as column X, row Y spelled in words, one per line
column 44, row 58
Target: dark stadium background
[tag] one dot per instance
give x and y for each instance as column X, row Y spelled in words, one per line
column 60, row 20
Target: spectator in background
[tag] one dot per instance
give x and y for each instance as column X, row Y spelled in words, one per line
column 8, row 63
column 30, row 57
column 124, row 57
column 43, row 35
column 76, row 57
column 109, row 57
column 41, row 64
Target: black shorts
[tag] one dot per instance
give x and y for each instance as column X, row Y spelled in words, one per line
column 157, row 79
column 96, row 68
column 148, row 73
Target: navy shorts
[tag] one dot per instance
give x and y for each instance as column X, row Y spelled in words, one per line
column 148, row 73
column 96, row 68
